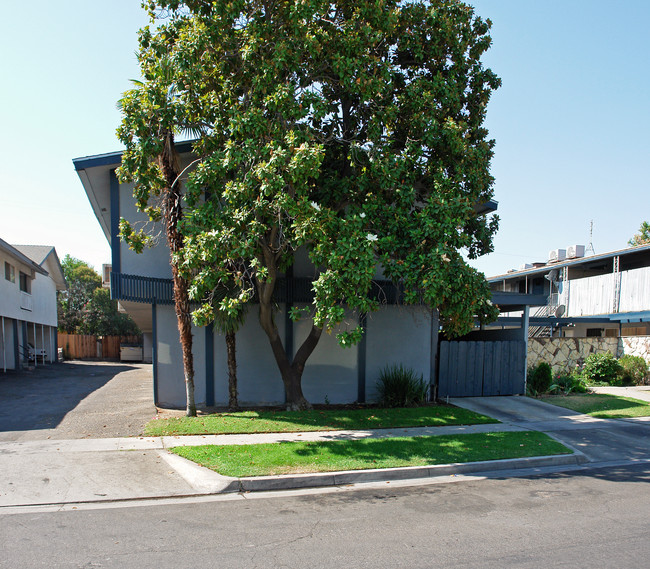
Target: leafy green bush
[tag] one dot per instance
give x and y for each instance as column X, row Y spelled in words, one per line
column 401, row 387
column 634, row 370
column 540, row 378
column 564, row 384
column 602, row 368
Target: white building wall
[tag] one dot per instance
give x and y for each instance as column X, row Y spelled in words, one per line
column 7, row 343
column 635, row 290
column 37, row 306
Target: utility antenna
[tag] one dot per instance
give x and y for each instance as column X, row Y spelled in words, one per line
column 590, row 247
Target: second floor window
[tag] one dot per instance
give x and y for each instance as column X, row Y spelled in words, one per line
column 25, row 283
column 10, row 272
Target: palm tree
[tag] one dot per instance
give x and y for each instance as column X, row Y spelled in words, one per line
column 228, row 324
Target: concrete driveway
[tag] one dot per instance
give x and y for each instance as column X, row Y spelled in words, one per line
column 601, row 440
column 76, row 400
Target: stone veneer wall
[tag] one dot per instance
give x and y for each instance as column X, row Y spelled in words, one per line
column 565, row 353
column 635, row 346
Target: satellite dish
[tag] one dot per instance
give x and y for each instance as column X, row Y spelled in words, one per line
column 552, row 275
column 560, row 310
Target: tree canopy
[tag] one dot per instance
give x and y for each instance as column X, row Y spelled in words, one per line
column 642, row 237
column 351, row 130
column 85, row 307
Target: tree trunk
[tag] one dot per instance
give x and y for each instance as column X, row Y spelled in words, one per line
column 172, row 214
column 231, row 347
column 291, row 371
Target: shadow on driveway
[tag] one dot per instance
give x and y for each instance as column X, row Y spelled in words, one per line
column 75, row 400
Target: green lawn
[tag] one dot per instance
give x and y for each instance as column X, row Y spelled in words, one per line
column 314, row 420
column 601, row 405
column 303, row 457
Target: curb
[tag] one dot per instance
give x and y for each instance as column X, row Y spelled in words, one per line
column 289, row 481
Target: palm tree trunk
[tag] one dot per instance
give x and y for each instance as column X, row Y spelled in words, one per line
column 172, row 214
column 231, row 347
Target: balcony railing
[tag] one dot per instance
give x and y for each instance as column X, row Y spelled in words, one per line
column 148, row 290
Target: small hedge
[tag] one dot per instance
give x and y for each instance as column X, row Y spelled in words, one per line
column 602, row 368
column 634, row 370
column 401, row 387
column 540, row 378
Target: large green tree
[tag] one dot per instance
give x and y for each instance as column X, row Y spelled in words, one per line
column 351, row 130
column 85, row 307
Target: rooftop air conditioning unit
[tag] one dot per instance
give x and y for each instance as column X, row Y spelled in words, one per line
column 525, row 266
column 575, row 251
column 556, row 255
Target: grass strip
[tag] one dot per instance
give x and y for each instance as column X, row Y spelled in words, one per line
column 304, row 457
column 314, row 420
column 601, row 405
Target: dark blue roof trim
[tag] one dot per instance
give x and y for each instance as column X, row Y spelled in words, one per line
column 115, row 158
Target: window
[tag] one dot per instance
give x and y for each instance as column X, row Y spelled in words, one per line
column 10, row 272
column 25, row 283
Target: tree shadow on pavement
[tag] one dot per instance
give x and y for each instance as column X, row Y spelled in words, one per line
column 40, row 398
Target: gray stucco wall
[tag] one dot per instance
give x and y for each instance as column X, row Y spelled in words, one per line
column 154, row 262
column 331, row 371
column 394, row 335
column 170, row 378
column 258, row 378
column 397, row 335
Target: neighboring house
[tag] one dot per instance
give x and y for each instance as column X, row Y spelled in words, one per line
column 599, row 303
column 606, row 295
column 142, row 284
column 31, row 277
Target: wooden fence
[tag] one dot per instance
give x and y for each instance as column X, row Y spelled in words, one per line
column 80, row 347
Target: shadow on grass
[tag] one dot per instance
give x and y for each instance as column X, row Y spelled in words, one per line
column 317, row 419
column 601, row 405
column 297, row 457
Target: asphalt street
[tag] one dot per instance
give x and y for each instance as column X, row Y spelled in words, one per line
column 587, row 518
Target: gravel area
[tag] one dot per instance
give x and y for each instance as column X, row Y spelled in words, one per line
column 76, row 400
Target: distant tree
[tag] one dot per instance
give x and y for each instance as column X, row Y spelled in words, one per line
column 82, row 282
column 642, row 237
column 102, row 318
column 85, row 307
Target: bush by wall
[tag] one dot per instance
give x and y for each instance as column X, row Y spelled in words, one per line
column 634, row 370
column 401, row 387
column 540, row 378
column 601, row 368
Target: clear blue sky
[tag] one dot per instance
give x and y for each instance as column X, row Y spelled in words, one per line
column 571, row 121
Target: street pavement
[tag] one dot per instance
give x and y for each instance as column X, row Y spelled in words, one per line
column 52, row 471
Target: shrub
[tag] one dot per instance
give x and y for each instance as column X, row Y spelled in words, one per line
column 539, row 378
column 601, row 368
column 565, row 384
column 401, row 387
column 634, row 370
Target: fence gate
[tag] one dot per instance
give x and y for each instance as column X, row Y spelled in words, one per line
column 476, row 369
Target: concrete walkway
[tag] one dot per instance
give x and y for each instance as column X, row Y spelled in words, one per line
column 47, row 472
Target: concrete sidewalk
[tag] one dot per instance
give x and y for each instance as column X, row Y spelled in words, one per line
column 95, row 470
column 112, row 469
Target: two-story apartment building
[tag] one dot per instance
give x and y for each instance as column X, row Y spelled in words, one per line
column 605, row 295
column 142, row 284
column 31, row 276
